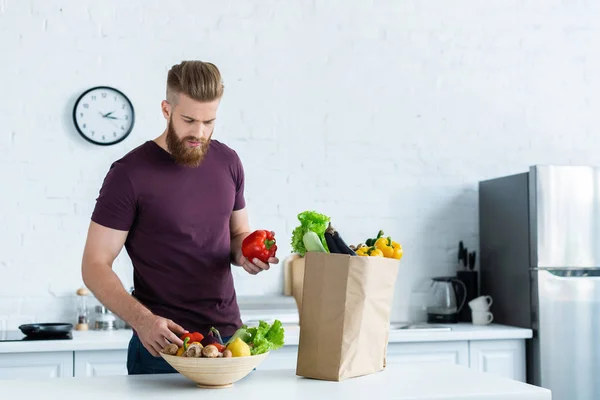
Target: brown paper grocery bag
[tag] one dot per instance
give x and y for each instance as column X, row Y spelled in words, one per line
column 298, row 282
column 346, row 306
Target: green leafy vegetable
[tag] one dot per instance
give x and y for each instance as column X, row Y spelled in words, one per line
column 261, row 338
column 310, row 221
column 241, row 333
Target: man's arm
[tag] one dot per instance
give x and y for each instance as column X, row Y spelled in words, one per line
column 102, row 247
column 240, row 229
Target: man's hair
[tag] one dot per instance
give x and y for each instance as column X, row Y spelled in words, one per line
column 196, row 79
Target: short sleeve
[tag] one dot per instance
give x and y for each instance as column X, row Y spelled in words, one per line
column 239, row 179
column 116, row 204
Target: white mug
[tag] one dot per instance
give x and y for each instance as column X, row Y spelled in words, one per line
column 482, row 317
column 481, row 303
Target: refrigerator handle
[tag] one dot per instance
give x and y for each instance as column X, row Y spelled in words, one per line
column 569, row 273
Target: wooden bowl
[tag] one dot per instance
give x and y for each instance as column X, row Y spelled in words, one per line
column 214, row 373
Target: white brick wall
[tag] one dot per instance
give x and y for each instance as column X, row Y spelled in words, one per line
column 382, row 114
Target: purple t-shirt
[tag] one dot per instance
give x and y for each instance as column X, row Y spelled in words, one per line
column 179, row 236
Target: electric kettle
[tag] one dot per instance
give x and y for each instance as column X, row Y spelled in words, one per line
column 442, row 299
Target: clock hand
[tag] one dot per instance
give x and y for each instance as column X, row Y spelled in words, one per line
column 113, row 122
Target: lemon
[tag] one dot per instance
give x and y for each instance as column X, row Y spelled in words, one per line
column 239, row 348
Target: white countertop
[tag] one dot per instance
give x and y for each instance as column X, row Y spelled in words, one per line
column 415, row 382
column 119, row 339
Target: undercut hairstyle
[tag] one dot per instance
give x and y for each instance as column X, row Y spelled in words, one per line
column 196, row 79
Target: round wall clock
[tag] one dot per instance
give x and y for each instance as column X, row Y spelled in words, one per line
column 103, row 115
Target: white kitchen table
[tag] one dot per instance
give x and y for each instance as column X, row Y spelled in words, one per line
column 415, row 382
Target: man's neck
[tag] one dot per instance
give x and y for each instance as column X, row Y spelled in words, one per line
column 162, row 141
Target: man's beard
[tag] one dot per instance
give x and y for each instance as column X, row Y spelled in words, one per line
column 181, row 152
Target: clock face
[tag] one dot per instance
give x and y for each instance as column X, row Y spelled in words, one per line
column 103, row 115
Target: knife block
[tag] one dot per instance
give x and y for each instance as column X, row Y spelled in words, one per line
column 469, row 278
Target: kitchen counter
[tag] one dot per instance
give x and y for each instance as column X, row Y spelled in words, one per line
column 119, row 339
column 415, row 382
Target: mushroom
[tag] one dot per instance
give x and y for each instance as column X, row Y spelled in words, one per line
column 170, row 349
column 210, row 351
column 193, row 351
column 227, row 353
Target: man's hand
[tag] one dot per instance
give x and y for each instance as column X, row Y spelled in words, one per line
column 240, row 229
column 255, row 266
column 156, row 332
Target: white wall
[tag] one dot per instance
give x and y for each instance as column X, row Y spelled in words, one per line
column 382, row 114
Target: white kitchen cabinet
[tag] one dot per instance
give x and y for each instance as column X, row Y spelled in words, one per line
column 502, row 357
column 429, row 353
column 100, row 363
column 36, row 365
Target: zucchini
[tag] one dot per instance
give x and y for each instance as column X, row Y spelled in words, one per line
column 312, row 242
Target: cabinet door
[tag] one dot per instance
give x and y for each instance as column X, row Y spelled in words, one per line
column 100, row 363
column 428, row 353
column 36, row 365
column 502, row 357
column 283, row 358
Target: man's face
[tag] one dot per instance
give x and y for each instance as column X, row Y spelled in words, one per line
column 190, row 128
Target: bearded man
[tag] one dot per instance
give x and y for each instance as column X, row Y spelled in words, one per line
column 177, row 205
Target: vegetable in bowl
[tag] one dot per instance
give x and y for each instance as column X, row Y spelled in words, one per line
column 261, row 338
column 246, row 341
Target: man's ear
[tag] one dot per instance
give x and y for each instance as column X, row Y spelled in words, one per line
column 166, row 109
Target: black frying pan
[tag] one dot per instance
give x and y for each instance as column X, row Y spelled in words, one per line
column 47, row 329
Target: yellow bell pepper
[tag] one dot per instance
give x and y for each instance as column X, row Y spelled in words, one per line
column 376, row 253
column 384, row 245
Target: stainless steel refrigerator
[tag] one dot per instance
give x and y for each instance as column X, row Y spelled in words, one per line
column 540, row 262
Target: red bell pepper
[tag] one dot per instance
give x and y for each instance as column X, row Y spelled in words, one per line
column 259, row 244
column 194, row 336
column 219, row 346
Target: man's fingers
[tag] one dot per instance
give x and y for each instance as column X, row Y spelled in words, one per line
column 157, row 349
column 178, row 329
column 261, row 264
column 251, row 269
column 151, row 350
column 173, row 338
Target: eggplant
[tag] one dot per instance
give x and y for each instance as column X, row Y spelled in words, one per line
column 342, row 245
column 209, row 339
column 338, row 243
column 216, row 333
column 331, row 243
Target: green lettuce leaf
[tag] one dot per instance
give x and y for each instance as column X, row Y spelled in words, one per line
column 309, row 221
column 276, row 334
column 264, row 337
